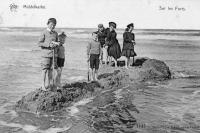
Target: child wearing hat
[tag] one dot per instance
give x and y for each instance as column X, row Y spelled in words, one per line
column 114, row 50
column 48, row 41
column 61, row 57
column 94, row 53
column 128, row 44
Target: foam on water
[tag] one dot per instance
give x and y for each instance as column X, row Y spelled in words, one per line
column 118, row 93
column 56, row 130
column 76, row 78
column 195, row 93
column 28, row 128
column 185, row 75
column 19, row 49
column 33, row 129
column 73, row 110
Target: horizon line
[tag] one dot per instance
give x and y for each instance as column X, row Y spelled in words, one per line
column 95, row 28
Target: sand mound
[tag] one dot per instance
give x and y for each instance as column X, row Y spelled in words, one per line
column 48, row 101
column 154, row 70
column 111, row 107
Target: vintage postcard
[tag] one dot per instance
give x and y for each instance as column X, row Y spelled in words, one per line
column 99, row 66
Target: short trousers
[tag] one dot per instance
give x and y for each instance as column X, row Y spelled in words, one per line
column 60, row 62
column 94, row 61
column 47, row 63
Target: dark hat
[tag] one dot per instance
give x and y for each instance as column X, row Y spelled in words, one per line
column 100, row 25
column 130, row 25
column 112, row 24
column 126, row 29
column 62, row 35
column 53, row 20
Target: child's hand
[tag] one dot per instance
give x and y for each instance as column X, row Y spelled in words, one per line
column 54, row 44
column 133, row 42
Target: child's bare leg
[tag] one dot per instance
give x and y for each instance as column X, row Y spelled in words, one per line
column 59, row 76
column 50, row 83
column 90, row 74
column 44, row 75
column 101, row 58
column 96, row 74
column 93, row 74
column 110, row 60
column 106, row 55
column 133, row 61
column 128, row 61
column 55, row 75
column 115, row 61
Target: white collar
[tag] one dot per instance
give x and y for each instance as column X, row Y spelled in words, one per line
column 49, row 30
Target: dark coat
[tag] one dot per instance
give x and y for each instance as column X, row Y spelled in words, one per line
column 128, row 38
column 128, row 47
column 101, row 36
column 111, row 38
column 114, row 49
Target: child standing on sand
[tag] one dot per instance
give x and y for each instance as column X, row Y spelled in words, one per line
column 48, row 41
column 94, row 55
column 101, row 33
column 114, row 50
column 61, row 57
column 128, row 44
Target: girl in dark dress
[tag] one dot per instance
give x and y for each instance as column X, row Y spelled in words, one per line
column 128, row 44
column 114, row 50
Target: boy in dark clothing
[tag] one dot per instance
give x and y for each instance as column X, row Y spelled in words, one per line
column 61, row 57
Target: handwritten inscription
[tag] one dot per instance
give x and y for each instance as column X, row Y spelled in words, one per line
column 34, row 6
column 170, row 8
column 14, row 7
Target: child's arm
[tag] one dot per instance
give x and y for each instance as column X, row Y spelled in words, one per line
column 42, row 42
column 100, row 51
column 133, row 41
column 55, row 43
column 46, row 44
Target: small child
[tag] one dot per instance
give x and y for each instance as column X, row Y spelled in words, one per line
column 47, row 42
column 101, row 33
column 61, row 57
column 94, row 55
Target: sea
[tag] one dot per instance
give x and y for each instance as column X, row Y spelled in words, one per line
column 20, row 70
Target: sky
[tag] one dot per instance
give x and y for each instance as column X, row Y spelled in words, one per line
column 145, row 14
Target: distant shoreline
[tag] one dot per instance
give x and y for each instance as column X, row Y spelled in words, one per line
column 2, row 27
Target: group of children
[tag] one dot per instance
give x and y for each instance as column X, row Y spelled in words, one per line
column 103, row 47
